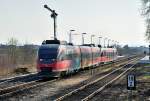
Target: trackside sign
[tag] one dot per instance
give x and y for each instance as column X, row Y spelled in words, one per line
column 131, row 82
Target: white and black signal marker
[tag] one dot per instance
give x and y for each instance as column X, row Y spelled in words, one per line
column 131, row 82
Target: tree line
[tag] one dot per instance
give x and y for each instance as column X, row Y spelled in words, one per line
column 12, row 54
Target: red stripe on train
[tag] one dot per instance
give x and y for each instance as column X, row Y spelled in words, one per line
column 57, row 66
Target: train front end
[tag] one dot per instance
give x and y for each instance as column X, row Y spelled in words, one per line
column 47, row 60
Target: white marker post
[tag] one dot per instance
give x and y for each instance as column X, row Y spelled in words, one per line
column 131, row 85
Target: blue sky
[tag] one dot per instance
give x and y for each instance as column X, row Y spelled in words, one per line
column 29, row 22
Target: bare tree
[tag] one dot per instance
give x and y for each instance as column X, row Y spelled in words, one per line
column 12, row 50
column 28, row 54
column 146, row 14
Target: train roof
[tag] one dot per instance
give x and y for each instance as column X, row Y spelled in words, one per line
column 54, row 42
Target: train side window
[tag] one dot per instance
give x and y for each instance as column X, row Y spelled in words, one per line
column 107, row 54
column 83, row 55
column 87, row 55
column 102, row 54
column 110, row 54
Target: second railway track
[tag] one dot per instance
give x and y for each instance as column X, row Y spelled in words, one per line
column 87, row 91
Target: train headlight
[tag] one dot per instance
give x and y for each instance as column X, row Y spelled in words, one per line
column 41, row 59
column 53, row 59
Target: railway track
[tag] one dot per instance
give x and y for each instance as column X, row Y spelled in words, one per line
column 89, row 90
column 18, row 81
column 115, row 64
column 9, row 91
column 18, row 87
column 13, row 85
column 17, row 78
column 121, row 60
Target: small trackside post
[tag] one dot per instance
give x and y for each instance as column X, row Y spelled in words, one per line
column 131, row 85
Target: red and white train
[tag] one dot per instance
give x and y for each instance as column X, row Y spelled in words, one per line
column 56, row 59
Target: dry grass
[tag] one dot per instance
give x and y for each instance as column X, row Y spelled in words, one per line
column 14, row 70
column 5, row 71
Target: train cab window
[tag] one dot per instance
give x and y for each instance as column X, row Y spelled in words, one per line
column 48, row 53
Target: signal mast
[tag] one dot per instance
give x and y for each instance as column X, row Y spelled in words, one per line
column 54, row 16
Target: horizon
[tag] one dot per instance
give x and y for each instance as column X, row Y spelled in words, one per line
column 22, row 44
